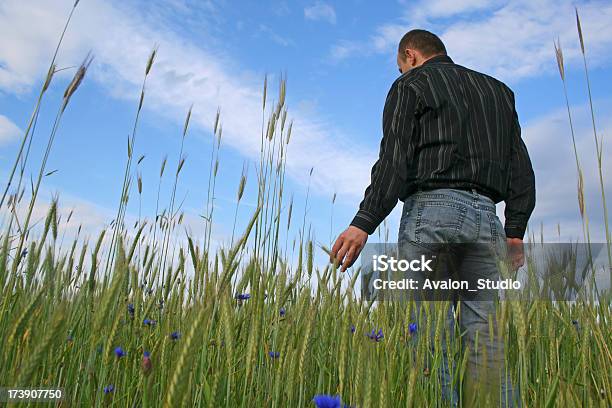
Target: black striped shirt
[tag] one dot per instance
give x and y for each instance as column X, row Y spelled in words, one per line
column 446, row 126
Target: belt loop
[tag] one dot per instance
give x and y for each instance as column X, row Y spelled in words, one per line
column 474, row 198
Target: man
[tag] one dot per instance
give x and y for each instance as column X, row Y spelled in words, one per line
column 451, row 149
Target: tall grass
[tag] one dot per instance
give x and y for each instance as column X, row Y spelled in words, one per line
column 598, row 145
column 244, row 326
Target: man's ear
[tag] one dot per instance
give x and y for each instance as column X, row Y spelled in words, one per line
column 406, row 54
column 411, row 56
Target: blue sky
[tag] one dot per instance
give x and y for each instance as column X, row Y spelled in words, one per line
column 339, row 58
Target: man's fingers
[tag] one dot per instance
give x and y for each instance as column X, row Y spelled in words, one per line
column 522, row 256
column 341, row 253
column 516, row 252
column 350, row 258
column 519, row 260
column 519, row 257
column 347, row 247
column 336, row 247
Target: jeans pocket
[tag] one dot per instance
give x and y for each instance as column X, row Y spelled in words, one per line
column 493, row 226
column 498, row 235
column 497, row 229
column 438, row 221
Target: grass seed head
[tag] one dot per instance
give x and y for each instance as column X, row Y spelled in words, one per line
column 180, row 166
column 241, row 186
column 559, row 55
column 163, row 166
column 49, row 77
column 77, row 79
column 187, row 121
column 150, row 61
column 216, row 121
column 579, row 26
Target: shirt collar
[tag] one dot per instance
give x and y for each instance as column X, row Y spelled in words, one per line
column 439, row 58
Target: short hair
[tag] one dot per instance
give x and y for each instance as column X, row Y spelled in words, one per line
column 427, row 43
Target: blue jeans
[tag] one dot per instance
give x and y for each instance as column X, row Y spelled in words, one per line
column 449, row 216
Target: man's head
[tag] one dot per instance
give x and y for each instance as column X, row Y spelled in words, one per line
column 416, row 47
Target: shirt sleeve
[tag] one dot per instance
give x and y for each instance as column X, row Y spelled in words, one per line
column 382, row 194
column 521, row 193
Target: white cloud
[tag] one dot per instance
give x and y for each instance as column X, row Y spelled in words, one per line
column 448, row 8
column 8, row 130
column 510, row 39
column 320, row 11
column 183, row 73
column 28, row 33
column 344, row 49
column 279, row 39
column 281, row 9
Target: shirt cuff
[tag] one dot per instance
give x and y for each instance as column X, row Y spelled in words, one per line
column 366, row 221
column 515, row 231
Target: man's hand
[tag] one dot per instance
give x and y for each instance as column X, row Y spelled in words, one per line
column 348, row 246
column 515, row 252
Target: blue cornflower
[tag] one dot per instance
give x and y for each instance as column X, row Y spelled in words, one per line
column 412, row 328
column 109, row 388
column 243, row 296
column 24, row 252
column 282, row 311
column 376, row 336
column 148, row 322
column 327, row 401
column 175, row 335
column 352, row 328
column 119, row 352
column 131, row 309
column 274, row 354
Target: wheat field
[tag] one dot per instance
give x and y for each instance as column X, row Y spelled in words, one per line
column 141, row 317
